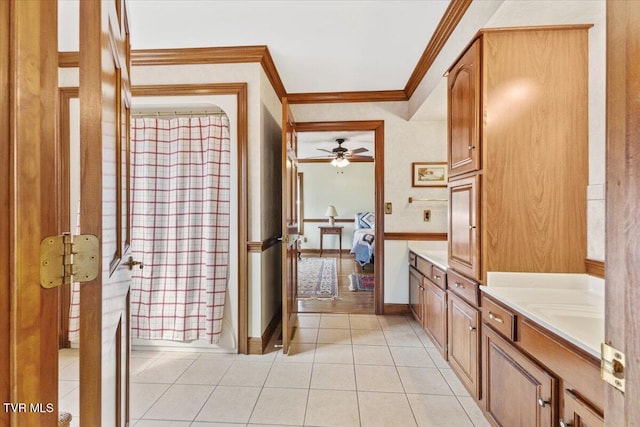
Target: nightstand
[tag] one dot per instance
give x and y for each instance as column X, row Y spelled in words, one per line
column 336, row 230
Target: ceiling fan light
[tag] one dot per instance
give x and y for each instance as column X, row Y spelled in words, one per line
column 334, row 162
column 341, row 162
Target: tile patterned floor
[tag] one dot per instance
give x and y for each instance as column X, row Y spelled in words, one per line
column 343, row 370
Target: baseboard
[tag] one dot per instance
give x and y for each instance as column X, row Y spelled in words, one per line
column 396, row 309
column 324, row 252
column 259, row 345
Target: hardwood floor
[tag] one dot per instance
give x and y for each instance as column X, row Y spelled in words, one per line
column 351, row 302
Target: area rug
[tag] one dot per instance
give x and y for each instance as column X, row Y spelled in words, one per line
column 361, row 282
column 317, row 278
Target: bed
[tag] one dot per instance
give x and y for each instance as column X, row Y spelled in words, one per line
column 363, row 246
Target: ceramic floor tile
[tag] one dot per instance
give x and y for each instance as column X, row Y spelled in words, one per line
column 248, row 374
column 334, row 336
column 378, row 378
column 397, row 323
column 438, row 359
column 334, row 321
column 179, row 402
column 364, row 321
column 305, row 335
column 290, row 375
column 474, row 412
column 67, row 356
column 385, row 409
column 454, row 382
column 424, row 380
column 71, row 403
column 162, row 371
column 298, row 353
column 70, row 371
column 281, row 406
column 368, row 337
column 304, row 320
column 204, row 371
column 230, row 404
column 158, row 423
column 402, row 338
column 205, row 424
column 334, row 353
column 412, row 356
column 438, row 411
column 372, row 355
column 143, row 396
column 66, row 386
column 332, row 408
column 333, row 377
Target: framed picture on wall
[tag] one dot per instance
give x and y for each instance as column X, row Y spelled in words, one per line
column 429, row 174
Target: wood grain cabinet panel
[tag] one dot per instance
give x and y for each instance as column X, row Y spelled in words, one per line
column 517, row 392
column 416, row 295
column 517, row 120
column 578, row 413
column 463, row 342
column 435, row 320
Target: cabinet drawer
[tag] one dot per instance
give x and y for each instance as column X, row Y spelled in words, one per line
column 412, row 259
column 439, row 277
column 465, row 288
column 423, row 266
column 499, row 318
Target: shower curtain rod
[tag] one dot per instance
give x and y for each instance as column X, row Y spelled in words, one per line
column 179, row 113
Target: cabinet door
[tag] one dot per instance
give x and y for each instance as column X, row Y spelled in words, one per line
column 578, row 413
column 464, row 345
column 517, row 392
column 416, row 295
column 435, row 302
column 464, row 112
column 464, row 227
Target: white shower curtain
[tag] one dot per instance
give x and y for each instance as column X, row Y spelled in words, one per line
column 180, row 182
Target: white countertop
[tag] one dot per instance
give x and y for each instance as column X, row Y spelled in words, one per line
column 434, row 251
column 569, row 305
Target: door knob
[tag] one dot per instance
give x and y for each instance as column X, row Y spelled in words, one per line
column 131, row 263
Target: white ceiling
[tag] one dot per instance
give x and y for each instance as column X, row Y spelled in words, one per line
column 317, row 46
column 310, row 143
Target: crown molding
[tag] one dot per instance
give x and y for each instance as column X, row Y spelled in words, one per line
column 344, row 97
column 445, row 28
column 261, row 54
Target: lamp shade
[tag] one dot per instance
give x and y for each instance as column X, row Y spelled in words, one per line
column 331, row 211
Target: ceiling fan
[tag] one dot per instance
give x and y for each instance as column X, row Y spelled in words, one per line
column 341, row 155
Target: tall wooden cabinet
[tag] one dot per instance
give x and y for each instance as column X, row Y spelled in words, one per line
column 518, row 147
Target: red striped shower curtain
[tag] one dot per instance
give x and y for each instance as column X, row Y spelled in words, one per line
column 180, row 182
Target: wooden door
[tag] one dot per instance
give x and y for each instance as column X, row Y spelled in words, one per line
column 464, row 348
column 28, row 200
column 416, row 295
column 435, row 302
column 464, row 112
column 622, row 329
column 289, row 225
column 104, row 134
column 464, row 226
column 517, row 392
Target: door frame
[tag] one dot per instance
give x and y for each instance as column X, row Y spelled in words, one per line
column 377, row 127
column 240, row 90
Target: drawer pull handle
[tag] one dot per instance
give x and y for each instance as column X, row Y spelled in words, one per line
column 563, row 423
column 496, row 318
column 542, row 403
column 471, row 147
column 472, row 328
column 458, row 285
column 472, row 227
column 435, row 276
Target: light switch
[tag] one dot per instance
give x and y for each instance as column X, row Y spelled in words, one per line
column 426, row 215
column 388, row 208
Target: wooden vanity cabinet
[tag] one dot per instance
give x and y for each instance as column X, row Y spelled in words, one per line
column 463, row 321
column 578, row 413
column 435, row 324
column 520, row 124
column 416, row 295
column 517, row 391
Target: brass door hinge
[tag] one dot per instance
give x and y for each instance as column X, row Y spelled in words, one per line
column 612, row 363
column 68, row 258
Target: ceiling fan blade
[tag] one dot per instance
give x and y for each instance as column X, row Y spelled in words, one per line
column 326, row 151
column 359, row 150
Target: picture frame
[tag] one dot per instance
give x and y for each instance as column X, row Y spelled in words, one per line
column 429, row 174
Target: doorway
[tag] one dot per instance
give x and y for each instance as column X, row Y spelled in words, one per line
column 341, row 223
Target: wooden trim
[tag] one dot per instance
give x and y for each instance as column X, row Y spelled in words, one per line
column 270, row 70
column 534, row 28
column 321, row 220
column 254, row 345
column 416, row 236
column 68, row 59
column 328, row 160
column 301, row 202
column 259, row 247
column 445, row 28
column 65, row 94
column 396, row 309
column 345, row 97
column 241, row 92
column 594, row 268
column 351, row 125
